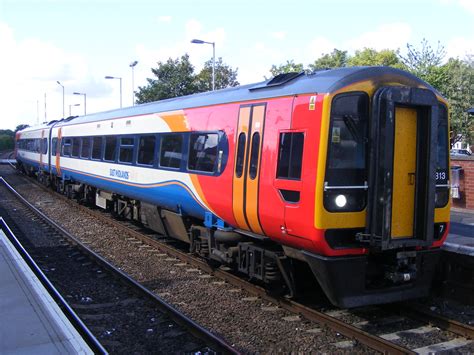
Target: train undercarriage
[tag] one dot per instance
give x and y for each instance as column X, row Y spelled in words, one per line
column 348, row 281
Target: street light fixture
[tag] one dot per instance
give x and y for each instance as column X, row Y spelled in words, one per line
column 81, row 93
column 71, row 106
column 116, row 77
column 132, row 65
column 200, row 41
column 63, row 94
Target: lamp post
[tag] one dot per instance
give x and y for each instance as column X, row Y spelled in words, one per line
column 81, row 93
column 199, row 41
column 63, row 94
column 132, row 65
column 116, row 77
column 71, row 106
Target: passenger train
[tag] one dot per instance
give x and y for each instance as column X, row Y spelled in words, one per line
column 340, row 175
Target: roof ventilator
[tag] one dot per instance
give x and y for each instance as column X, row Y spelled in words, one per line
column 278, row 80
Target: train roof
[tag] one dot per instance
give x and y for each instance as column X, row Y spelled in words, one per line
column 323, row 81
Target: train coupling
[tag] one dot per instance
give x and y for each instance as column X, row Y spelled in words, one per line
column 403, row 269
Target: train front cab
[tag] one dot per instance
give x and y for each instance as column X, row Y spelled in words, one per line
column 383, row 193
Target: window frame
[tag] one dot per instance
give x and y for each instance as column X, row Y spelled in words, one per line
column 83, row 139
column 253, row 173
column 74, row 140
column 160, row 151
column 214, row 167
column 154, row 153
column 115, row 137
column 65, row 144
column 290, row 159
column 101, row 148
column 126, row 146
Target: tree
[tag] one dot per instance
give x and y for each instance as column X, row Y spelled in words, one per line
column 454, row 80
column 176, row 77
column 173, row 78
column 425, row 63
column 336, row 59
column 225, row 76
column 289, row 67
column 371, row 57
column 6, row 142
column 459, row 90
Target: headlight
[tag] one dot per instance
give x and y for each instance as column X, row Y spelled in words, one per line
column 340, row 201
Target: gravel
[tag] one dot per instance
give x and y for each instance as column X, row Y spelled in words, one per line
column 250, row 324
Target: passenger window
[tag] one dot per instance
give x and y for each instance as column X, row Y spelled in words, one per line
column 86, row 147
column 171, row 150
column 239, row 164
column 290, row 155
column 254, row 155
column 44, row 146
column 76, row 146
column 146, row 150
column 54, row 146
column 67, row 147
column 96, row 148
column 110, row 148
column 202, row 151
column 126, row 150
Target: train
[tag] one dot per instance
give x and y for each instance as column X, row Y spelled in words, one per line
column 338, row 177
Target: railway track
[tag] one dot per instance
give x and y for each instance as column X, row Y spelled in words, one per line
column 444, row 334
column 106, row 299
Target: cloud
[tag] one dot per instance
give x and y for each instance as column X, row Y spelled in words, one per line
column 388, row 36
column 459, row 47
column 320, row 46
column 165, row 19
column 465, row 4
column 280, row 35
column 29, row 69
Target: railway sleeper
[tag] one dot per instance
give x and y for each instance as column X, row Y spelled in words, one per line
column 242, row 253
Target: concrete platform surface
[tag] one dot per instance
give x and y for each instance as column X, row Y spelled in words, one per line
column 30, row 321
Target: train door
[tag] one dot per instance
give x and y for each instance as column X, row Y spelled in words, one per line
column 404, row 172
column 248, row 151
column 402, row 169
column 42, row 147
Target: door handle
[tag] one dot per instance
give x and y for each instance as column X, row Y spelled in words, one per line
column 411, row 178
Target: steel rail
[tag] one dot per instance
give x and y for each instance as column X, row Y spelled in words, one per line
column 196, row 329
column 345, row 329
column 425, row 315
column 70, row 314
column 337, row 325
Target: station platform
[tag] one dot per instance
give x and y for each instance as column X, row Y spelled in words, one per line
column 7, row 161
column 30, row 320
column 461, row 235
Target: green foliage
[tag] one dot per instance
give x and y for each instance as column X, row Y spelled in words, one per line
column 177, row 78
column 336, row 59
column 459, row 90
column 425, row 63
column 225, row 76
column 454, row 80
column 371, row 57
column 289, row 67
column 6, row 142
column 173, row 78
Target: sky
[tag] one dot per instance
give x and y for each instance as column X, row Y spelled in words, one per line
column 79, row 42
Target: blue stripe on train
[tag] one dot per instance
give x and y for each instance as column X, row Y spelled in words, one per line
column 173, row 196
